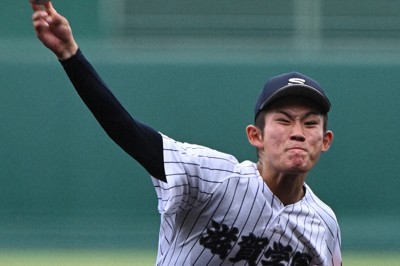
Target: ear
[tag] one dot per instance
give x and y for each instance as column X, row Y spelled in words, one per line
column 328, row 138
column 254, row 136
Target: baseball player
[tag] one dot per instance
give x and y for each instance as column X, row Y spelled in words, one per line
column 215, row 210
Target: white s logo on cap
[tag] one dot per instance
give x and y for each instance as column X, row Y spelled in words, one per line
column 294, row 81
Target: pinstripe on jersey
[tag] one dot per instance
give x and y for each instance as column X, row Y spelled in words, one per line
column 217, row 211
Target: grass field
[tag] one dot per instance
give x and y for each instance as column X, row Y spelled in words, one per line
column 77, row 258
column 147, row 258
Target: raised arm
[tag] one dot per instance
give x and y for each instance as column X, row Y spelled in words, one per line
column 143, row 143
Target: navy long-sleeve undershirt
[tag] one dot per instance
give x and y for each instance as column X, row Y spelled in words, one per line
column 140, row 141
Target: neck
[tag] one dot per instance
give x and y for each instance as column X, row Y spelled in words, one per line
column 288, row 188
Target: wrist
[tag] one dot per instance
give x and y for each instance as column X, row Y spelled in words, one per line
column 68, row 52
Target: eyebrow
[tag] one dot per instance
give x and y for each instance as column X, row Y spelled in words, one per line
column 291, row 116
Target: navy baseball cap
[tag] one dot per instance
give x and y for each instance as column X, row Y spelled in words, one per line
column 292, row 84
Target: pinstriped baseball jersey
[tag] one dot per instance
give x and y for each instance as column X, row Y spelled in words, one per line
column 217, row 211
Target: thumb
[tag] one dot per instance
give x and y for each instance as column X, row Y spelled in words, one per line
column 56, row 18
column 50, row 9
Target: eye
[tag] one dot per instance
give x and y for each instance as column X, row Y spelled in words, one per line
column 283, row 121
column 311, row 123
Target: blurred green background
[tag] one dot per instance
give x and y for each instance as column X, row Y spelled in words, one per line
column 192, row 70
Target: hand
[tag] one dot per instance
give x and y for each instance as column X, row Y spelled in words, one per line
column 54, row 31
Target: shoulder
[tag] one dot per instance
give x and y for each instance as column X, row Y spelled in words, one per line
column 323, row 211
column 200, row 163
column 173, row 148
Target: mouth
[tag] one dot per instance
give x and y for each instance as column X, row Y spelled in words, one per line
column 296, row 149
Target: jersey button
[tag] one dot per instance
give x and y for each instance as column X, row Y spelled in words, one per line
column 279, row 229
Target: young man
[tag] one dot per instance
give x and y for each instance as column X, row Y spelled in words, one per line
column 215, row 210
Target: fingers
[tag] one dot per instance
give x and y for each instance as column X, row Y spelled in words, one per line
column 41, row 17
column 50, row 9
column 47, row 7
column 37, row 7
column 47, row 16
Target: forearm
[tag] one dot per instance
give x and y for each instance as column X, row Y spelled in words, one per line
column 143, row 143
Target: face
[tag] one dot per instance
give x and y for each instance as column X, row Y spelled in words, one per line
column 293, row 137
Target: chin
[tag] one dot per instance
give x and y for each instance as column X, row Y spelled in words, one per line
column 299, row 166
column 297, row 169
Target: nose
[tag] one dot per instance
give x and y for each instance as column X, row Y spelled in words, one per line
column 297, row 133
